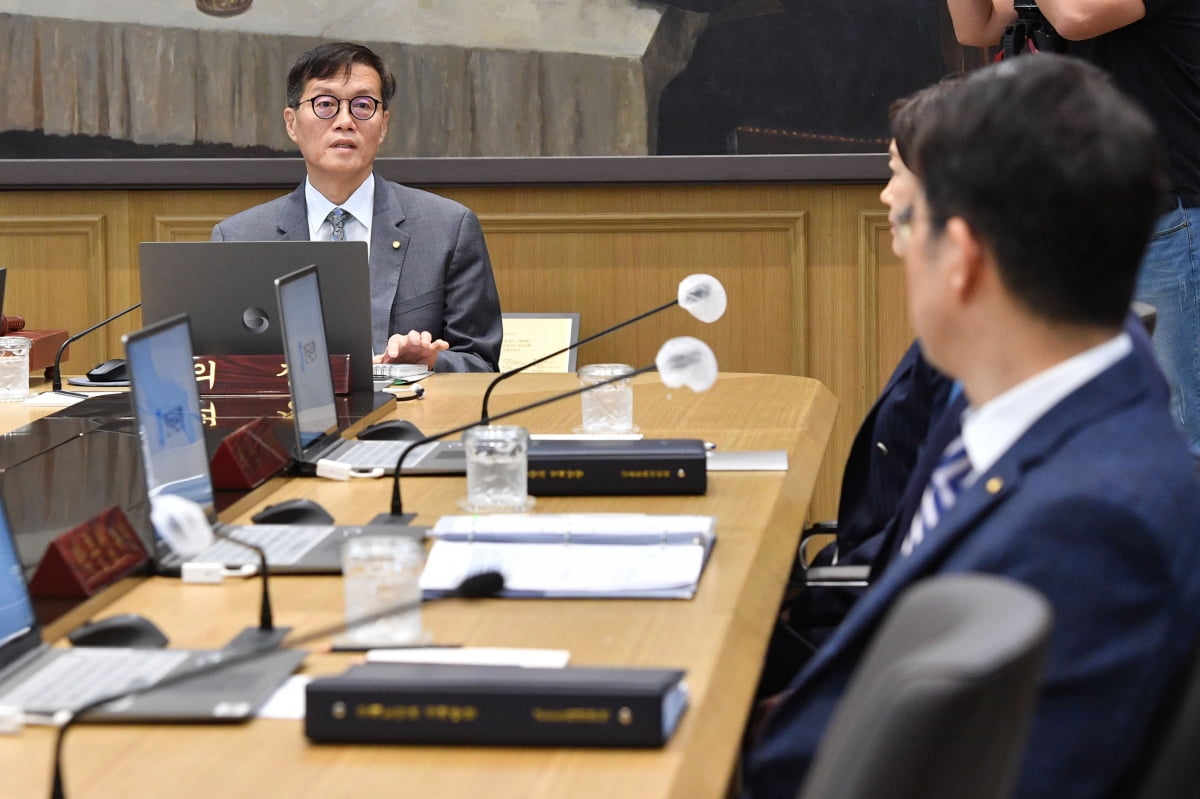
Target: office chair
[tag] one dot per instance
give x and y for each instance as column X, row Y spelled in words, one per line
column 940, row 706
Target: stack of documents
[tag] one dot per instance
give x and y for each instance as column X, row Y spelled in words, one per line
column 619, row 555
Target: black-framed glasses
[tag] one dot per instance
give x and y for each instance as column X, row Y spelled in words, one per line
column 326, row 106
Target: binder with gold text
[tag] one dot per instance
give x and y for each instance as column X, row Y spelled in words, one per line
column 410, row 703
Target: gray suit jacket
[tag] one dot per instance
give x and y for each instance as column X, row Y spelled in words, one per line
column 429, row 269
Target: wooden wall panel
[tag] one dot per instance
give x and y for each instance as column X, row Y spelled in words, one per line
column 813, row 285
column 887, row 332
column 57, row 275
column 609, row 267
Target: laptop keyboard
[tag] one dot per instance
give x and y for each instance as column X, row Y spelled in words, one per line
column 284, row 544
column 79, row 676
column 372, row 453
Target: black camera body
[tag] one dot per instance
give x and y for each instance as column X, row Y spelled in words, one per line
column 1031, row 33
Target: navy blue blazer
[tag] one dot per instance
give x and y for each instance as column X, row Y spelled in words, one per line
column 429, row 269
column 886, row 447
column 1098, row 507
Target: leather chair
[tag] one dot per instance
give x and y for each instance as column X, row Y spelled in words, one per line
column 940, row 706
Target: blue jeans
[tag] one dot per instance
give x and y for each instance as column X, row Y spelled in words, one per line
column 1169, row 280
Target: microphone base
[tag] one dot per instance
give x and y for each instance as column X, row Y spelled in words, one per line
column 387, row 518
column 256, row 639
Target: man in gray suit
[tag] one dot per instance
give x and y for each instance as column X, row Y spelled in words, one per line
column 433, row 296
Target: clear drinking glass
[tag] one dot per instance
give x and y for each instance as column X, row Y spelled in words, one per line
column 14, row 368
column 381, row 572
column 607, row 409
column 497, row 469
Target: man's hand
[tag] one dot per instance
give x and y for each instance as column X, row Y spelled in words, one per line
column 415, row 347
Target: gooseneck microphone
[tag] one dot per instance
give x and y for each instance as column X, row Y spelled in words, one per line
column 397, row 511
column 483, row 414
column 476, row 586
column 266, row 634
column 701, row 295
column 681, row 361
column 184, row 526
column 56, row 383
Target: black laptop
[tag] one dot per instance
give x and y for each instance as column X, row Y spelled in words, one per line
column 227, row 289
column 317, row 434
column 42, row 680
column 166, row 406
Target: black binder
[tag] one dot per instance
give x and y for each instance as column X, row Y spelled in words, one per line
column 618, row 468
column 405, row 703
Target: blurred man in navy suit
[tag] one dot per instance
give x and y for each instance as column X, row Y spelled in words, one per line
column 1065, row 471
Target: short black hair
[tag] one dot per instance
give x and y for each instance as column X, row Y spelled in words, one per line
column 336, row 58
column 904, row 115
column 1058, row 173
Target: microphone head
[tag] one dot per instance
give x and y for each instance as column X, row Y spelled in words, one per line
column 182, row 523
column 481, row 585
column 703, row 297
column 686, row 361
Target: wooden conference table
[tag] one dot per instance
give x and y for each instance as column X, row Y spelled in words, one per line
column 719, row 636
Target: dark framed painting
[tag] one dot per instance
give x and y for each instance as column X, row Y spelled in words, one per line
column 476, row 78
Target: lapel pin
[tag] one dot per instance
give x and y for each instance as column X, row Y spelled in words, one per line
column 994, row 484
column 395, row 245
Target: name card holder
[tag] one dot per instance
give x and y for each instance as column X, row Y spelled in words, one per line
column 248, row 456
column 258, row 374
column 89, row 557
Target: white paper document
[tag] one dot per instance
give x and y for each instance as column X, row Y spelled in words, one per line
column 573, row 555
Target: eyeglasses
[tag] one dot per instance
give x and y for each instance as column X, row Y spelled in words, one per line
column 326, row 106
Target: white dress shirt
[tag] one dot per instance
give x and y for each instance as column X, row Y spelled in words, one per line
column 360, row 206
column 990, row 430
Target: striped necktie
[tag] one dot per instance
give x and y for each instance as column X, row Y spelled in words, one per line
column 944, row 486
column 337, row 219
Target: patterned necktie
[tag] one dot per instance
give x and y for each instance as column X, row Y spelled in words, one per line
column 337, row 218
column 943, row 489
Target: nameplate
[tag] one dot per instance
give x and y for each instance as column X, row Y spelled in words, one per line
column 89, row 557
column 248, row 456
column 258, row 374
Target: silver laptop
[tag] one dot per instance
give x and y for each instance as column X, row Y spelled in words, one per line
column 166, row 406
column 226, row 288
column 42, row 680
column 317, row 433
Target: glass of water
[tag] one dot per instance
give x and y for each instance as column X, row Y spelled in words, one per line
column 381, row 572
column 607, row 409
column 14, row 368
column 497, row 469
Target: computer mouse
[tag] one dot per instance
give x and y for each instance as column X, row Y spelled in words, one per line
column 392, row 430
column 126, row 629
column 110, row 371
column 293, row 511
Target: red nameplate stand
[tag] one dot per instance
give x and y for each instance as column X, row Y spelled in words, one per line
column 248, row 456
column 89, row 557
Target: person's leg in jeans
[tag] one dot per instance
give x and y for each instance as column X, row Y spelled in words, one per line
column 1169, row 280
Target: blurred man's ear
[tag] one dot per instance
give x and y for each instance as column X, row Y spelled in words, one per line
column 289, row 122
column 965, row 257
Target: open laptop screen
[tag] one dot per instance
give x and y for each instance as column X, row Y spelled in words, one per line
column 16, row 611
column 303, row 325
column 166, row 402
